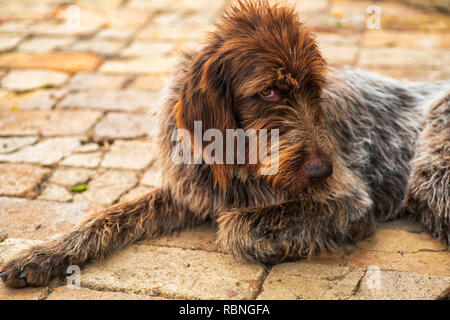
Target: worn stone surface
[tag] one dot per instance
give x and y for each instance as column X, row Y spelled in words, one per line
column 98, row 46
column 30, row 79
column 152, row 177
column 139, row 65
column 107, row 187
column 21, row 180
column 63, row 61
column 37, row 219
column 126, row 100
column 40, row 99
column 65, row 293
column 70, row 177
column 8, row 42
column 403, row 56
column 84, row 160
column 46, row 152
column 153, row 83
column 302, row 280
column 53, row 192
column 174, row 272
column 44, row 44
column 122, row 125
column 130, row 155
column 46, row 123
column 394, row 285
column 402, row 251
column 12, row 144
column 91, row 80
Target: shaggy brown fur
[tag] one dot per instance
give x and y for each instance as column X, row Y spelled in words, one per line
column 345, row 141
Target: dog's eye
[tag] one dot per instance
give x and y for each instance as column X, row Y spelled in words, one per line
column 269, row 94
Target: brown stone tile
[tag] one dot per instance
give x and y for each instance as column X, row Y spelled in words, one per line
column 63, row 61
column 65, row 293
column 46, row 122
column 21, row 180
column 35, row 219
column 22, row 294
column 174, row 272
column 393, row 285
column 303, row 280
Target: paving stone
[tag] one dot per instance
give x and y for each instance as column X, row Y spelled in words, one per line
column 70, row 177
column 152, row 83
column 396, row 57
column 15, row 27
column 122, row 125
column 420, row 22
column 29, row 79
column 152, row 178
column 53, row 192
column 39, row 220
column 174, row 33
column 39, row 99
column 105, row 189
column 139, row 65
column 21, row 180
column 100, row 46
column 8, row 249
column 8, row 42
column 130, row 155
column 393, row 285
column 405, row 72
column 398, row 250
column 174, row 272
column 22, row 294
column 8, row 145
column 304, row 280
column 339, row 54
column 46, row 152
column 135, row 193
column 88, row 147
column 45, row 44
column 84, row 160
column 124, row 100
column 90, row 80
column 388, row 240
column 65, row 293
column 46, row 122
column 50, row 28
column 399, row 39
column 201, row 237
column 114, row 33
column 63, row 61
column 150, row 48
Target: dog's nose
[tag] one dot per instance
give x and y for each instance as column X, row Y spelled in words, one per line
column 318, row 172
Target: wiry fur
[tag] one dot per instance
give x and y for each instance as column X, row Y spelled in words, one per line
column 363, row 125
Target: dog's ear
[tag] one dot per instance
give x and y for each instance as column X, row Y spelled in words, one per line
column 206, row 96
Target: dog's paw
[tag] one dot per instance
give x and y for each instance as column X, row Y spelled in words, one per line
column 27, row 269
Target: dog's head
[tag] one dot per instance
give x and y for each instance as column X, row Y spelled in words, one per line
column 261, row 69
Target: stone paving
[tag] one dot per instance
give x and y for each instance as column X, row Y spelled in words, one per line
column 77, row 79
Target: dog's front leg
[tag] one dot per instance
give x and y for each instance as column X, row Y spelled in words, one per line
column 293, row 230
column 151, row 215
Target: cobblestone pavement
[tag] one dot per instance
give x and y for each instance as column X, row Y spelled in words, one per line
column 76, row 81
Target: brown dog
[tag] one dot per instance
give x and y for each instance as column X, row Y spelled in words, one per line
column 345, row 140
